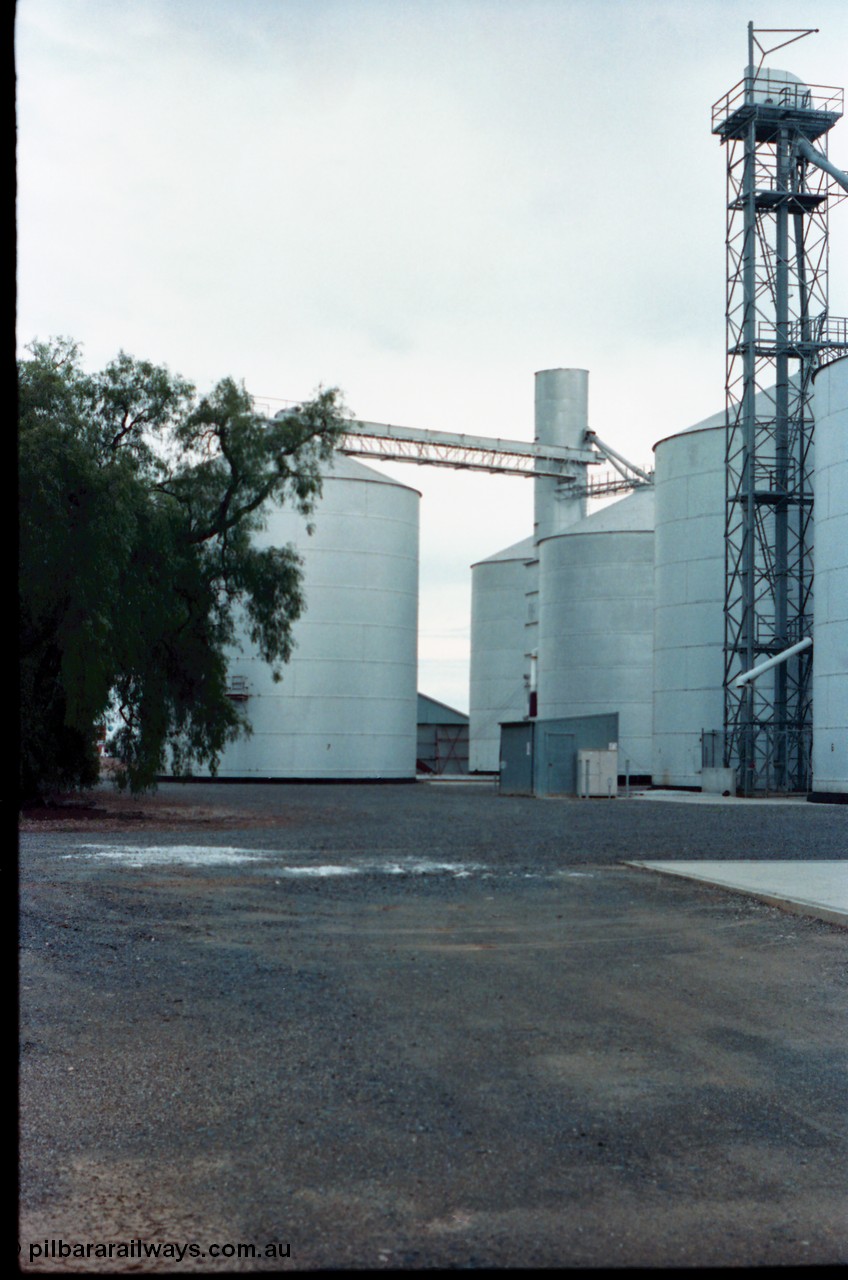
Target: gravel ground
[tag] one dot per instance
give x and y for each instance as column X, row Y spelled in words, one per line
column 472, row 819
column 479, row 1041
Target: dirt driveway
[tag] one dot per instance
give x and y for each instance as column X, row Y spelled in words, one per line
column 396, row 1028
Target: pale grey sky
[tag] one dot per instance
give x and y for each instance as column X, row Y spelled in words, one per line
column 420, row 201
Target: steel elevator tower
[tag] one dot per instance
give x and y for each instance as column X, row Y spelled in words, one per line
column 779, row 186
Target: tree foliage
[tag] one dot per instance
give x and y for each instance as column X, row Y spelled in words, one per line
column 139, row 500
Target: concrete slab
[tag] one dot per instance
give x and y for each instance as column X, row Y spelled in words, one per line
column 815, row 888
column 711, row 797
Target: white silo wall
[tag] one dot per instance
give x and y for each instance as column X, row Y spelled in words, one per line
column 499, row 666
column 689, row 599
column 830, row 625
column 596, row 604
column 347, row 703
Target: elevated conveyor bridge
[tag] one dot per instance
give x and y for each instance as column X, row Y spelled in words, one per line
column 386, row 442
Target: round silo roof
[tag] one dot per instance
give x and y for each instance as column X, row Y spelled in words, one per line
column 523, row 550
column 763, row 401
column 341, row 467
column 706, row 424
column 633, row 514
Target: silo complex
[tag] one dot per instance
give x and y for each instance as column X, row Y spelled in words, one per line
column 596, row 617
column 347, row 703
column 719, row 636
column 622, row 611
column 562, row 623
column 689, row 599
column 500, row 670
column 830, row 625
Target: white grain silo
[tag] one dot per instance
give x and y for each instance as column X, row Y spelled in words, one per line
column 500, row 666
column 689, row 484
column 596, row 605
column 347, row 703
column 830, row 625
column 689, row 549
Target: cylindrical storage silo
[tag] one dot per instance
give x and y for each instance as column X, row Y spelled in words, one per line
column 346, row 706
column 596, row 604
column 561, row 417
column 689, row 485
column 499, row 664
column 830, row 619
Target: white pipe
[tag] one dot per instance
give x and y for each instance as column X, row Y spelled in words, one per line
column 773, row 662
column 817, row 158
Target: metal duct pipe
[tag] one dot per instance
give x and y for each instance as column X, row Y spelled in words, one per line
column 615, row 458
column 783, row 656
column 821, row 161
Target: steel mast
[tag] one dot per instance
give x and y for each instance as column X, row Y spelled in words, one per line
column 778, row 333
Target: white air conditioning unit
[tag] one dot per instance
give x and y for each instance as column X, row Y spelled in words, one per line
column 597, row 772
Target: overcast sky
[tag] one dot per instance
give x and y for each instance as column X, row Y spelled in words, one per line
column 420, row 201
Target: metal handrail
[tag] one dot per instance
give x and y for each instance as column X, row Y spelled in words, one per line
column 809, row 97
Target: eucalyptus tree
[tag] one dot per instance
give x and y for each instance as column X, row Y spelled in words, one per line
column 139, row 502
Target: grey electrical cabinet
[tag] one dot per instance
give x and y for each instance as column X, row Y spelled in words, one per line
column 597, row 772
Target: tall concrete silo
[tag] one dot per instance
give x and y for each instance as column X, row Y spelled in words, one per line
column 830, row 623
column 347, row 704
column 596, row 615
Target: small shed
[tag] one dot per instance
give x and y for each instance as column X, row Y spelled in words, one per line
column 543, row 757
column 442, row 737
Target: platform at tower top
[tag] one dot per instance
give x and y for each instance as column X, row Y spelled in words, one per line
column 809, row 109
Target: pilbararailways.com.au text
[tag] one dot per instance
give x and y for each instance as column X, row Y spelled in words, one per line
column 45, row 1249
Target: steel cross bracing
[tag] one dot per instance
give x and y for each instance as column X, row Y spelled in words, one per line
column 390, row 443
column 779, row 188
